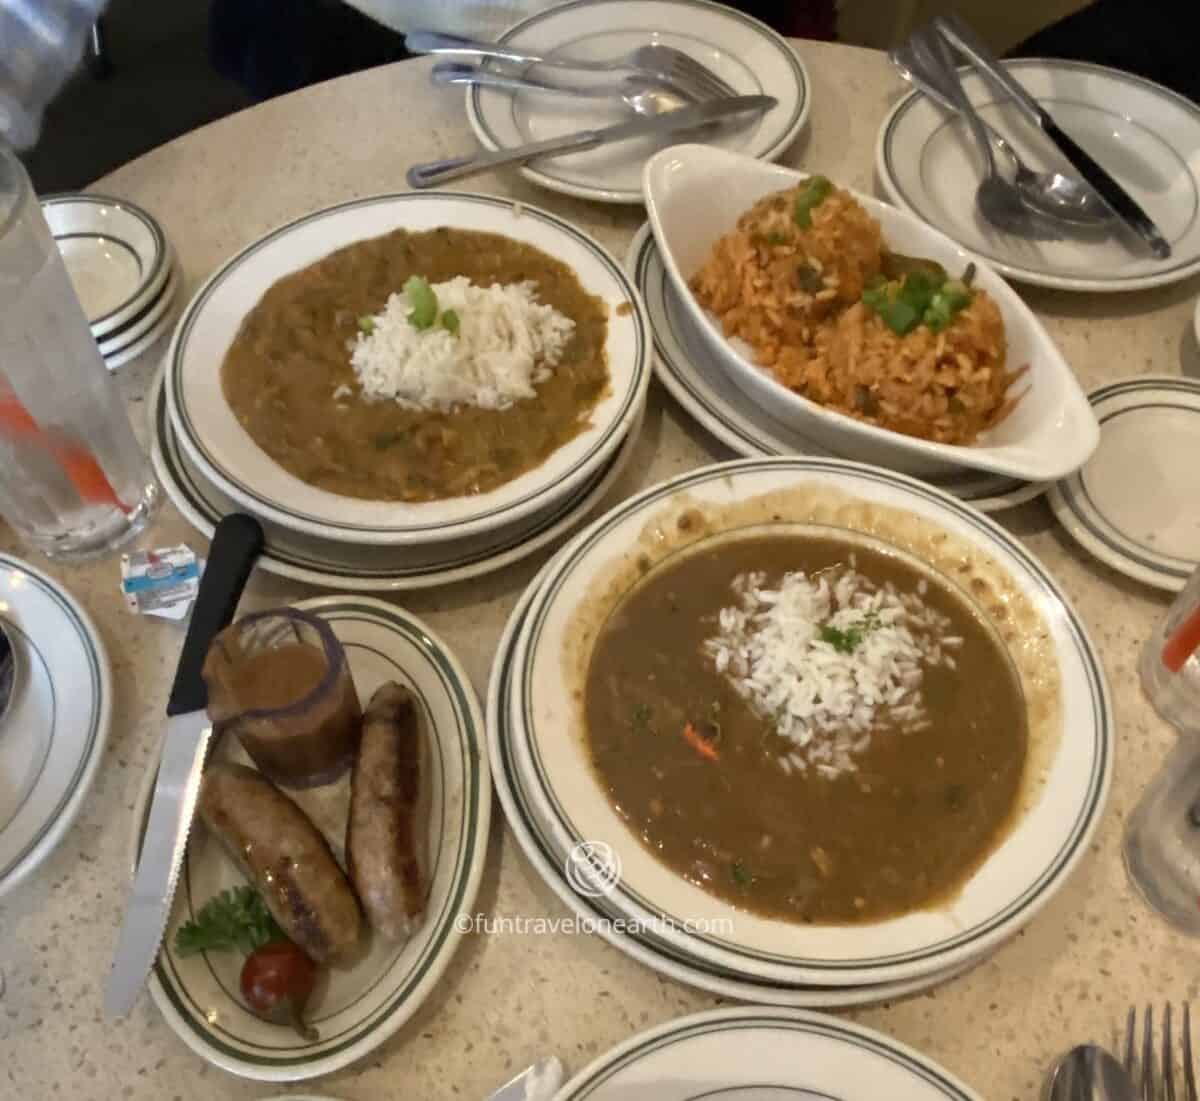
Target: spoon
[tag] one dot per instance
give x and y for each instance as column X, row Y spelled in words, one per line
column 1089, row 1073
column 1065, row 198
column 537, row 1082
column 8, row 670
column 637, row 93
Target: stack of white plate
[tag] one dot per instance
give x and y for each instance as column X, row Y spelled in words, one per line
column 122, row 268
column 566, row 825
column 209, row 465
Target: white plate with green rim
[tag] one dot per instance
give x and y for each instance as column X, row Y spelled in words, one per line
column 748, row 55
column 1135, row 504
column 361, row 1006
column 115, row 253
column 695, row 378
column 639, row 941
column 53, row 733
column 1068, row 772
column 214, row 440
column 757, row 1054
column 347, row 566
column 1147, row 136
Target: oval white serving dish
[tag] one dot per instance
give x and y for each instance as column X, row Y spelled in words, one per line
column 695, row 194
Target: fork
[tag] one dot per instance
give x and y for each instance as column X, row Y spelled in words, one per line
column 659, row 62
column 1145, row 1065
column 997, row 199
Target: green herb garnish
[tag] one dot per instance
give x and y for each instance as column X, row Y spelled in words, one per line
column 449, row 321
column 234, row 919
column 812, row 193
column 848, row 640
column 741, row 875
column 777, row 238
column 642, row 714
column 423, row 301
column 919, row 299
column 366, row 324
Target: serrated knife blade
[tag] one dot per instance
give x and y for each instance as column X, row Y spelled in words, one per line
column 236, row 544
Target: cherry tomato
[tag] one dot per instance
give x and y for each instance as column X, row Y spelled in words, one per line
column 277, row 981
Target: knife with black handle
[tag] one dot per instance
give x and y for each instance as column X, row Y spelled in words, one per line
column 1122, row 204
column 236, row 544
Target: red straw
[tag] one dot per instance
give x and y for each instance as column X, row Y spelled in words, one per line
column 1183, row 643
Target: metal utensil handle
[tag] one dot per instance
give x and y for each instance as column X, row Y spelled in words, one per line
column 457, row 168
column 932, row 53
column 236, row 544
column 453, row 72
column 964, row 38
column 431, row 42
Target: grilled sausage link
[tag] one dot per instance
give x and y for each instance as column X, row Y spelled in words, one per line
column 384, row 827
column 285, row 857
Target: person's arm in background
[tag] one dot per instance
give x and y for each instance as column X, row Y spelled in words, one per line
column 41, row 42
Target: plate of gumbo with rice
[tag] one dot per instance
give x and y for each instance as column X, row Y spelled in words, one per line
column 837, row 727
column 451, row 365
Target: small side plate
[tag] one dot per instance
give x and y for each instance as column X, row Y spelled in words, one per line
column 1135, row 504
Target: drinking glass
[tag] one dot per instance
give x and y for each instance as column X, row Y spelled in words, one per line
column 73, row 480
column 1162, row 838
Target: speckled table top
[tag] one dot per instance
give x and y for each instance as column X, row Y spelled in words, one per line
column 508, row 999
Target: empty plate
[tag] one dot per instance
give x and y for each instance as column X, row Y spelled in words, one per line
column 115, row 254
column 755, row 1054
column 1136, row 503
column 57, row 723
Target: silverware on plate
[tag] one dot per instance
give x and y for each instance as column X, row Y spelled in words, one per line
column 664, row 63
column 642, row 96
column 1123, row 205
column 236, row 544
column 686, row 118
column 8, row 670
column 996, row 198
column 1053, row 194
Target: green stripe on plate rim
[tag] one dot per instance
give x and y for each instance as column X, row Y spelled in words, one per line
column 828, row 1028
column 1168, row 565
column 174, row 368
column 93, row 728
column 187, row 485
column 472, row 762
column 61, row 198
column 915, row 96
column 981, row 486
column 704, row 5
column 1096, row 688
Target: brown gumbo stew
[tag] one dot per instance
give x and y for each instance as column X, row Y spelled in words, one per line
column 695, row 772
column 291, row 356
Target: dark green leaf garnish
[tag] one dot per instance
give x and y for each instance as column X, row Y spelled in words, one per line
column 366, row 324
column 812, row 193
column 642, row 714
column 449, row 321
column 741, row 874
column 809, row 279
column 777, row 238
column 234, row 919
